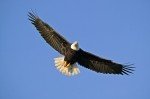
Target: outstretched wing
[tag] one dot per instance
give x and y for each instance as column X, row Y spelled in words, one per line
column 49, row 34
column 101, row 65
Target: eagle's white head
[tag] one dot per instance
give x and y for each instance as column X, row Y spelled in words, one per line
column 75, row 46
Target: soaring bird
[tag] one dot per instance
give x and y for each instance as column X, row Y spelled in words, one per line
column 72, row 54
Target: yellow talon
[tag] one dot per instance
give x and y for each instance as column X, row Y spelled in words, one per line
column 68, row 65
column 64, row 63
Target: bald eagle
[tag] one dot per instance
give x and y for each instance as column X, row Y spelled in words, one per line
column 72, row 54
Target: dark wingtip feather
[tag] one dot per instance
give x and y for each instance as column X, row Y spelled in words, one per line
column 127, row 69
column 32, row 16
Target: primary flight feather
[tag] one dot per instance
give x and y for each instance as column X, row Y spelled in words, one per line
column 72, row 54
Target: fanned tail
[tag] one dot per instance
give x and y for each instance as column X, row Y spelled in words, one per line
column 66, row 70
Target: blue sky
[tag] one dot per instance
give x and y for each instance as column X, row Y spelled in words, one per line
column 114, row 29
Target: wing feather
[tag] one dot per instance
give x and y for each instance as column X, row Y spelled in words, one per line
column 101, row 65
column 58, row 42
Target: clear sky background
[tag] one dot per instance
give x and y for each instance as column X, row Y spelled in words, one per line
column 114, row 29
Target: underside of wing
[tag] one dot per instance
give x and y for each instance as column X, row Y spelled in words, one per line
column 57, row 41
column 101, row 65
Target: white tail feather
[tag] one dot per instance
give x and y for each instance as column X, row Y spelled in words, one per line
column 69, row 70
